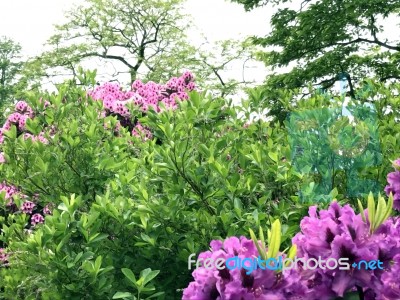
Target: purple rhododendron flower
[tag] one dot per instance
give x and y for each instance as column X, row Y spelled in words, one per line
column 339, row 233
column 390, row 282
column 224, row 284
column 393, row 186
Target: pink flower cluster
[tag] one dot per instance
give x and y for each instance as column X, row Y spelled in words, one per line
column 47, row 210
column 3, row 256
column 28, row 206
column 39, row 137
column 143, row 96
column 10, row 191
column 36, row 219
column 19, row 117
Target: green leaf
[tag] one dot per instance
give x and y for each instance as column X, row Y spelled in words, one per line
column 155, row 295
column 262, row 239
column 389, row 207
column 292, row 252
column 380, row 212
column 273, row 156
column 12, row 133
column 121, row 295
column 351, row 296
column 360, row 207
column 371, row 210
column 275, row 242
column 255, row 241
column 129, row 274
column 148, row 275
column 97, row 264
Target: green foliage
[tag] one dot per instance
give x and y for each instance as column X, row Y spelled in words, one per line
column 137, row 204
column 326, row 41
column 126, row 206
column 140, row 285
column 77, row 157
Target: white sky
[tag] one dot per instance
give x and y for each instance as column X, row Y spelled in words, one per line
column 30, row 23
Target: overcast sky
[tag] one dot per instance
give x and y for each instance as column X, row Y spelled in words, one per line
column 31, row 22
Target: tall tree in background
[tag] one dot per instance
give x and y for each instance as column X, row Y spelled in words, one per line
column 329, row 39
column 145, row 38
column 10, row 66
column 134, row 33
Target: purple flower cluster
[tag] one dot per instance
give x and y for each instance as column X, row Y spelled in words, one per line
column 142, row 96
column 212, row 284
column 390, row 281
column 394, row 184
column 337, row 232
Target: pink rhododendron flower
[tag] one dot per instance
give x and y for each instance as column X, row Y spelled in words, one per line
column 10, row 191
column 2, row 158
column 21, row 106
column 143, row 96
column 48, row 209
column 3, row 256
column 27, row 207
column 141, row 131
column 22, row 122
column 37, row 219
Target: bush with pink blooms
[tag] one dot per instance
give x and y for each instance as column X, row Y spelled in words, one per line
column 105, row 192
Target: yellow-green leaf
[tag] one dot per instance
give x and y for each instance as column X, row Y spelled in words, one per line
column 361, row 208
column 255, row 241
column 275, row 243
column 371, row 209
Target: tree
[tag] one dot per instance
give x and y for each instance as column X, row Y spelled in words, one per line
column 145, row 39
column 10, row 65
column 132, row 33
column 329, row 40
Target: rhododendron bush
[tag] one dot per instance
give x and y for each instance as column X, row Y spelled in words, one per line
column 105, row 191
